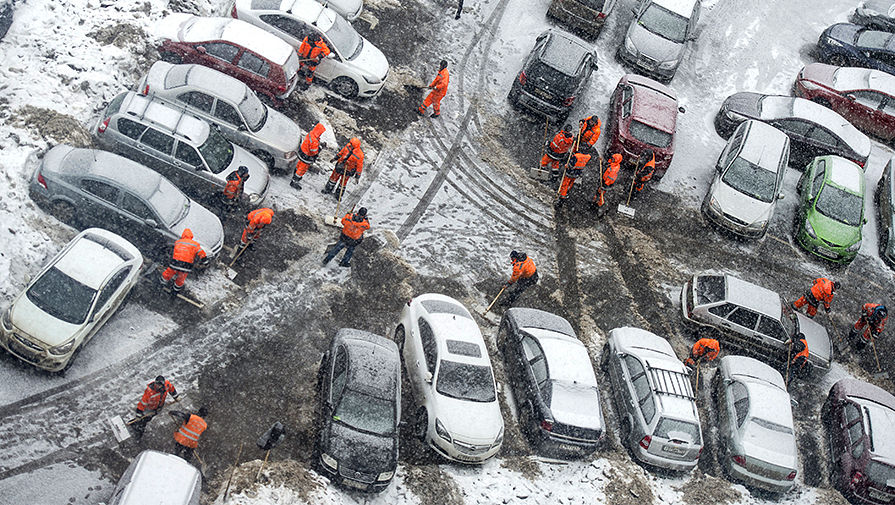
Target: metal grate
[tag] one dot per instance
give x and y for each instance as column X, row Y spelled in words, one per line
column 669, row 382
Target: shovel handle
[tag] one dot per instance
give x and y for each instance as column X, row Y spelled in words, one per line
column 875, row 355
column 494, row 300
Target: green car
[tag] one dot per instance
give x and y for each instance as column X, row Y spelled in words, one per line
column 831, row 209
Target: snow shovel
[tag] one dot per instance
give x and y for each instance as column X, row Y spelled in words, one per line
column 879, row 370
column 235, row 465
column 271, row 438
column 698, row 360
column 119, row 429
column 841, row 345
column 334, row 219
column 626, row 209
column 231, row 274
column 494, row 300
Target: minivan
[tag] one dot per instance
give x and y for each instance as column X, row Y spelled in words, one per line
column 158, row 478
column 658, row 36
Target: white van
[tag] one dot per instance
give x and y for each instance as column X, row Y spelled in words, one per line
column 158, row 478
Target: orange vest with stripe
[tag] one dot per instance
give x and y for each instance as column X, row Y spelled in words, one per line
column 190, row 431
column 354, row 229
column 523, row 269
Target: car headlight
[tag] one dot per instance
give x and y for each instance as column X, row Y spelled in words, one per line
column 7, row 318
column 442, row 432
column 714, row 206
column 329, row 461
column 499, row 439
column 669, row 65
column 372, row 80
column 810, row 229
column 254, row 198
column 758, row 225
column 833, row 42
column 290, row 155
column 385, row 476
column 854, row 247
column 62, row 350
column 630, row 47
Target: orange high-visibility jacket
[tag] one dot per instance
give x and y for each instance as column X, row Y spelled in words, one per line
column 822, row 291
column 560, row 145
column 190, row 431
column 801, row 357
column 233, row 188
column 611, row 173
column 523, row 269
column 186, row 250
column 590, row 130
column 352, row 156
column 579, row 160
column 154, row 400
column 316, row 52
column 258, row 218
column 311, row 143
column 645, row 172
column 439, row 84
column 354, row 229
column 867, row 313
column 707, row 348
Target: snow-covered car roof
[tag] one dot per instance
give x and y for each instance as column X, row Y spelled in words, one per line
column 372, row 361
column 152, row 467
column 753, row 296
column 194, row 29
column 764, row 145
column 769, row 399
column 682, row 7
column 220, row 84
column 309, row 11
column 91, row 258
column 567, row 358
column 456, row 333
column 161, row 114
column 527, row 318
column 643, row 343
column 565, row 52
column 802, row 108
column 854, row 78
column 653, row 105
column 127, row 173
column 752, row 369
column 879, row 424
column 845, row 174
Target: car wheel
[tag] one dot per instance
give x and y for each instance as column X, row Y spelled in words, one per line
column 171, row 58
column 838, row 60
column 64, row 211
column 265, row 158
column 345, row 86
column 604, row 358
column 822, row 101
column 400, row 337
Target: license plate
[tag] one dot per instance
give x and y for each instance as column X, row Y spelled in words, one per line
column 823, row 251
column 568, row 447
column 674, row 450
column 354, row 484
column 878, row 495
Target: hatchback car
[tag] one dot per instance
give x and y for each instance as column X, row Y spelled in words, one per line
column 863, row 96
column 263, row 61
column 831, row 209
column 140, row 483
column 654, row 399
column 847, row 44
column 230, row 105
column 183, row 148
column 449, row 369
column 860, row 422
column 70, row 299
column 748, row 178
column 885, row 200
column 360, row 407
column 756, row 429
column 658, row 36
column 752, row 317
column 85, row 187
column 583, row 16
column 355, row 67
column 553, row 382
column 813, row 129
column 643, row 115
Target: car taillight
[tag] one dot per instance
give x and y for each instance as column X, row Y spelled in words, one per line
column 522, row 78
column 740, row 460
column 601, row 15
column 42, row 181
column 282, row 88
column 546, row 425
column 645, row 441
column 861, row 163
column 791, row 476
column 146, row 90
column 569, row 101
column 857, row 478
column 104, row 125
column 233, row 12
column 408, row 302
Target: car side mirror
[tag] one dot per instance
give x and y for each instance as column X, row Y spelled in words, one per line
column 428, row 377
column 865, row 220
column 201, row 49
column 681, row 109
column 150, row 223
column 851, row 97
column 780, row 196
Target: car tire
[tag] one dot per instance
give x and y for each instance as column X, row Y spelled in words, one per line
column 604, row 358
column 64, row 212
column 265, row 158
column 400, row 337
column 169, row 57
column 345, row 87
column 838, row 60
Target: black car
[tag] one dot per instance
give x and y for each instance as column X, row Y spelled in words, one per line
column 553, row 382
column 359, row 410
column 813, row 129
column 876, row 14
column 847, row 44
column 553, row 75
column 6, row 15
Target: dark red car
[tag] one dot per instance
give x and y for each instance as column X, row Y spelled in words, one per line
column 642, row 114
column 860, row 419
column 865, row 97
column 260, row 59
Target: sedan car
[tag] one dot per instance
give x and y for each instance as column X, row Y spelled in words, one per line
column 756, row 427
column 876, row 15
column 70, row 299
column 261, row 60
column 658, row 36
column 360, row 407
column 584, row 16
column 446, row 361
column 355, row 67
column 863, row 96
column 88, row 187
column 553, row 379
column 230, row 105
column 831, row 209
column 885, row 200
column 643, row 115
column 860, row 422
column 847, row 44
column 813, row 129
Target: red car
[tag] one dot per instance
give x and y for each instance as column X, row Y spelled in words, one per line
column 642, row 115
column 260, row 59
column 864, row 97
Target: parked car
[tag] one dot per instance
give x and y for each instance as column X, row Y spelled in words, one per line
column 70, row 299
column 831, row 209
column 756, row 430
column 447, row 363
column 6, row 15
column 264, row 62
column 584, row 16
column 860, row 422
column 553, row 74
column 753, row 318
column 359, row 410
column 876, row 15
column 863, row 96
column 140, row 484
column 87, row 187
column 643, row 115
column 850, row 45
column 659, row 35
column 813, row 129
column 748, row 178
column 230, row 105
column 355, row 67
column 554, row 385
column 885, row 200
column 654, row 399
column 182, row 147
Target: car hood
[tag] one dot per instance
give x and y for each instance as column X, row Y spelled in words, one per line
column 471, row 422
column 371, row 61
column 360, row 451
column 745, row 103
column 576, row 406
column 739, row 205
column 171, row 26
column 259, row 176
column 30, row 319
column 280, row 131
column 819, row 343
column 832, row 231
column 206, row 228
column 843, row 32
column 652, row 45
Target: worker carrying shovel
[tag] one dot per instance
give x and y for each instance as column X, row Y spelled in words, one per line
column 525, row 275
column 151, row 403
column 349, row 163
column 869, row 326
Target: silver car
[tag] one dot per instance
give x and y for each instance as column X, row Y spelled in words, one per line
column 658, row 35
column 185, row 149
column 758, row 441
column 748, row 176
column 229, row 104
column 654, row 399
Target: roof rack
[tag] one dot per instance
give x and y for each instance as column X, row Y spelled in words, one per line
column 670, row 382
column 152, row 97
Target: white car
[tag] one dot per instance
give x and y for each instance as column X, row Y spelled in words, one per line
column 447, row 363
column 70, row 299
column 355, row 67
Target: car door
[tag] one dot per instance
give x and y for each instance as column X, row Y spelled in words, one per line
column 886, row 118
column 257, row 73
column 742, row 321
column 850, row 446
column 797, row 131
column 136, row 214
column 218, row 55
column 202, row 104
column 155, row 152
column 814, row 181
column 99, row 204
column 108, row 300
column 338, row 378
column 289, row 29
column 535, row 374
column 625, row 108
column 717, row 314
column 194, row 174
column 771, row 331
column 227, row 118
column 737, row 410
column 863, row 109
column 426, row 359
column 128, row 142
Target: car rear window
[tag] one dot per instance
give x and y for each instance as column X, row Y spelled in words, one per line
column 673, row 428
column 440, row 307
column 62, row 297
column 115, row 104
column 709, row 289
column 596, row 5
column 461, row 348
column 177, row 76
column 649, row 135
column 543, row 75
column 879, row 473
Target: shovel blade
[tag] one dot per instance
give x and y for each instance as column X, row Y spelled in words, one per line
column 331, row 221
column 539, row 174
column 231, row 274
column 881, row 375
column 119, row 429
column 626, row 211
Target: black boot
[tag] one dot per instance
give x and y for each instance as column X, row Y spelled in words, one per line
column 329, row 187
column 296, row 182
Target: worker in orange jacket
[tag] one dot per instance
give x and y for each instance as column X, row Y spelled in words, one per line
column 256, row 221
column 186, row 251
column 353, row 228
column 311, row 52
column 439, row 87
column 572, row 172
column 870, row 325
column 186, row 438
column 646, row 166
column 234, row 187
column 349, row 163
column 589, row 130
column 525, row 275
column 610, row 175
column 707, row 348
column 557, row 149
column 151, row 403
column 799, row 352
column 307, row 153
column 821, row 292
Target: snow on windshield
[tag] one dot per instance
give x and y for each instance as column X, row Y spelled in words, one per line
column 465, row 382
column 751, row 180
column 344, row 38
column 664, row 23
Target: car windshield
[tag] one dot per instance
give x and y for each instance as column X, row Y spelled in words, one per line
column 217, row 151
column 366, row 413
column 465, row 382
column 751, row 180
column 879, row 473
column 344, row 38
column 61, row 296
column 664, row 23
column 873, row 39
column 254, row 111
column 673, row 428
column 170, row 204
column 840, row 205
column 649, row 135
